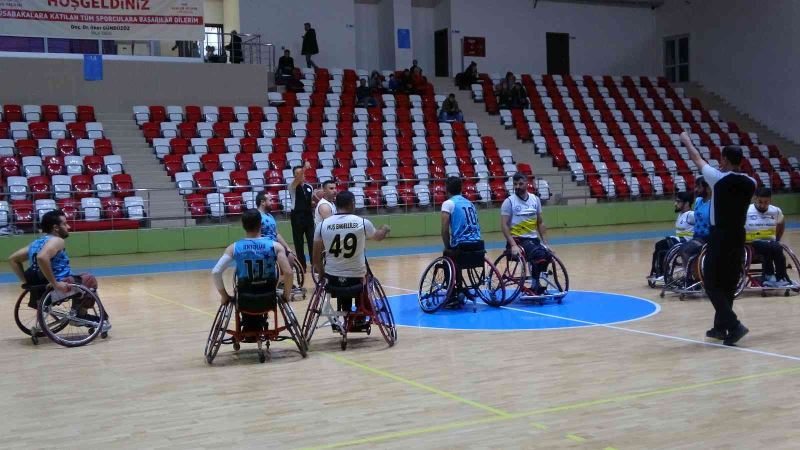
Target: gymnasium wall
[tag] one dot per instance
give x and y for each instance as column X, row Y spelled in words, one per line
column 281, row 23
column 607, row 39
column 403, row 225
column 367, row 35
column 745, row 51
column 60, row 80
column 422, row 29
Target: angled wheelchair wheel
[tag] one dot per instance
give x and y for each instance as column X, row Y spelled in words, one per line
column 383, row 310
column 512, row 271
column 313, row 312
column 436, row 284
column 73, row 320
column 677, row 273
column 290, row 321
column 489, row 282
column 555, row 279
column 26, row 317
column 792, row 269
column 218, row 331
column 743, row 274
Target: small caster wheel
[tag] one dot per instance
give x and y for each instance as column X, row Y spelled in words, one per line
column 209, row 360
column 344, row 344
column 682, row 297
column 560, row 301
column 91, row 330
column 369, row 330
column 103, row 335
column 786, row 294
column 763, row 293
column 35, row 339
column 236, row 346
column 661, row 294
column 262, row 358
column 651, row 283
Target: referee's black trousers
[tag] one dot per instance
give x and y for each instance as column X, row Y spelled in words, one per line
column 721, row 273
column 302, row 227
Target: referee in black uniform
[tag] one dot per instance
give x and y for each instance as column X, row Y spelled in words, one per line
column 302, row 216
column 731, row 195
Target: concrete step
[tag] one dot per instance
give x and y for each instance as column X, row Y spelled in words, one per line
column 747, row 123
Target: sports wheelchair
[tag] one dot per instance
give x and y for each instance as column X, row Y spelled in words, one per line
column 754, row 281
column 252, row 308
column 448, row 282
column 519, row 283
column 371, row 308
column 298, row 279
column 685, row 278
column 42, row 311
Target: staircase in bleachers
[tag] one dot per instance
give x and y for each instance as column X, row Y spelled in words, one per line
column 619, row 135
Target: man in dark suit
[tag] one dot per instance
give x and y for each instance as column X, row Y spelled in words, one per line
column 310, row 46
column 235, row 47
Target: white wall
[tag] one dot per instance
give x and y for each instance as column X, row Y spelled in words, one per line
column 212, row 11
column 745, row 51
column 442, row 19
column 367, row 36
column 402, row 20
column 422, row 38
column 607, row 39
column 385, row 27
column 281, row 22
column 231, row 16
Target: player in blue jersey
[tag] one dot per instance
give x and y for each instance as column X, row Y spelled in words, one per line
column 461, row 232
column 256, row 259
column 48, row 260
column 269, row 228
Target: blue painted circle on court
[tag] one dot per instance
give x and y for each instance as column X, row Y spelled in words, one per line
column 579, row 309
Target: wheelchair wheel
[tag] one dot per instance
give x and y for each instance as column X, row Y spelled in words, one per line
column 63, row 322
column 792, row 269
column 557, row 278
column 25, row 316
column 436, row 284
column 313, row 312
column 489, row 282
column 512, row 271
column 743, row 274
column 383, row 310
column 218, row 331
column 290, row 320
column 675, row 274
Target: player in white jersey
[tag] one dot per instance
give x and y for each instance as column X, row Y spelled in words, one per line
column 325, row 207
column 523, row 225
column 684, row 230
column 763, row 230
column 343, row 238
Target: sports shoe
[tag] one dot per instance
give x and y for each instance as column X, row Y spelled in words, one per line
column 735, row 335
column 783, row 283
column 770, row 284
column 716, row 333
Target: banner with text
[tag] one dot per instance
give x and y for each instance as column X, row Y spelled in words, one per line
column 150, row 20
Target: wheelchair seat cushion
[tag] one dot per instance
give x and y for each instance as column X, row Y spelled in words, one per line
column 469, row 255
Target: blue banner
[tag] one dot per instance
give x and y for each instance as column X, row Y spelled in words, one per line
column 403, row 38
column 92, row 67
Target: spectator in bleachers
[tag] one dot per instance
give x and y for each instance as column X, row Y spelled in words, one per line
column 518, row 98
column 310, row 47
column 285, row 71
column 450, row 111
column 415, row 68
column 364, row 96
column 210, row 56
column 391, row 85
column 375, row 81
column 406, row 83
column 235, row 47
column 503, row 90
column 468, row 77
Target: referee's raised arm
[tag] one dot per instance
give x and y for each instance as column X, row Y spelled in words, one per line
column 697, row 159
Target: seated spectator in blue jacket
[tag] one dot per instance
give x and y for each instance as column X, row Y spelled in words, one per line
column 364, row 96
column 391, row 85
column 450, row 111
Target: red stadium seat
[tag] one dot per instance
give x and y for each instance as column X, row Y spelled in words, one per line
column 196, row 203
column 54, row 165
column 83, row 186
column 123, row 185
column 113, row 208
column 204, row 182
column 22, row 212
column 39, row 187
column 85, row 113
column 233, row 203
column 70, row 207
column 94, row 165
column 210, row 162
column 193, row 113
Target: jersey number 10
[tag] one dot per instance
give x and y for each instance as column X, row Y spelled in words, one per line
column 470, row 215
column 350, row 244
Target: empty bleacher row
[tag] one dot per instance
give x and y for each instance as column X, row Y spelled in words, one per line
column 620, row 134
column 58, row 156
column 395, row 154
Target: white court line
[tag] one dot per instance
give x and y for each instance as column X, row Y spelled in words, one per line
column 665, row 336
column 648, row 333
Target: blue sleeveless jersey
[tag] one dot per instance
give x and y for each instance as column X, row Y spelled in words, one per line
column 59, row 263
column 702, row 218
column 255, row 259
column 464, row 226
column 269, row 228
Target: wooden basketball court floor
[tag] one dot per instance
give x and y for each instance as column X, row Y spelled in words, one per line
column 651, row 383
